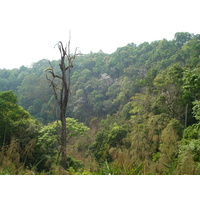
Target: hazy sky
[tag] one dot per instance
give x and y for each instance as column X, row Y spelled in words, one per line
column 29, row 29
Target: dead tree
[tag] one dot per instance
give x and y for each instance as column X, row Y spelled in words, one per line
column 61, row 90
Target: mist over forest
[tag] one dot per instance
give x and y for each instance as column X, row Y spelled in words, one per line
column 133, row 112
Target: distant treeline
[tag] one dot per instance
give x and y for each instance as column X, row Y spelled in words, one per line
column 142, row 104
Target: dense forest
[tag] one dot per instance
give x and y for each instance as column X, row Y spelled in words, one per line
column 135, row 111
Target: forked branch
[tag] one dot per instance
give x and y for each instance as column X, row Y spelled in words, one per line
column 53, row 84
column 62, row 94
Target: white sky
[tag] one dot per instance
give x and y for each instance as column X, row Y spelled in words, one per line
column 29, row 29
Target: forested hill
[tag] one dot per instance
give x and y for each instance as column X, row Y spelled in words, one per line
column 102, row 83
column 143, row 100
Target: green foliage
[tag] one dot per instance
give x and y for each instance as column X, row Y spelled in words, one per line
column 12, row 117
column 111, row 135
column 116, row 135
column 182, row 37
column 196, row 110
column 192, row 82
column 188, row 159
column 142, row 103
column 48, row 144
column 107, row 82
column 117, row 169
column 73, row 163
column 192, row 132
column 169, row 145
column 18, row 132
column 76, row 128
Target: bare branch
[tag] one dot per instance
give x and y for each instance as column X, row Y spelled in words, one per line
column 54, row 88
column 62, row 94
column 55, row 75
column 50, row 70
column 50, row 64
column 61, row 48
column 69, row 43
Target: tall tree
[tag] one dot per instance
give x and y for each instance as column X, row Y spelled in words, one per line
column 60, row 83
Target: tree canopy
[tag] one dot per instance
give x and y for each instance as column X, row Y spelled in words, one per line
column 135, row 111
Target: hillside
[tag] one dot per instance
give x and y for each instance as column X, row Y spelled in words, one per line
column 141, row 104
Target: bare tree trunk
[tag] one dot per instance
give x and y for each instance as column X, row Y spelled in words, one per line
column 62, row 93
column 63, row 139
column 63, row 106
